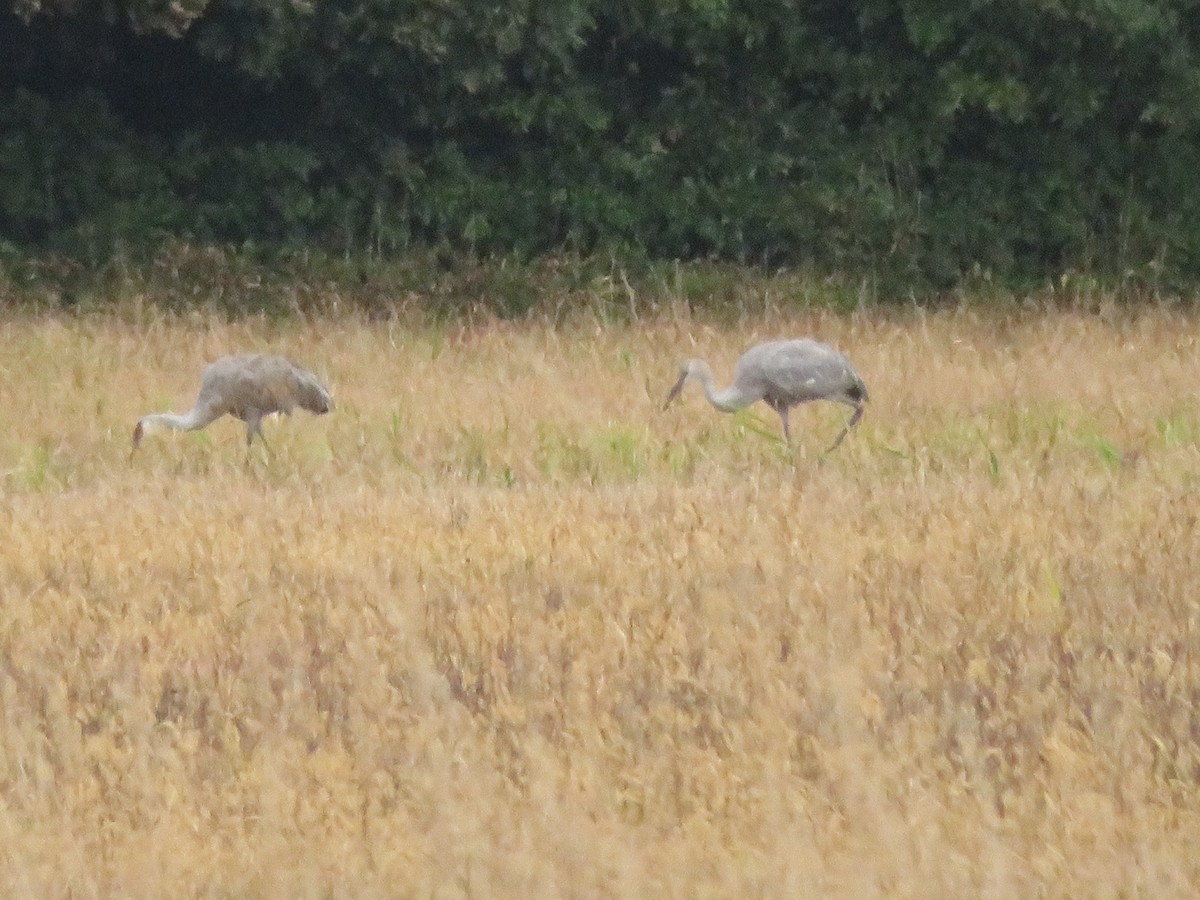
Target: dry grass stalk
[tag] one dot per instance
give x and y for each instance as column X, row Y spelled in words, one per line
column 501, row 627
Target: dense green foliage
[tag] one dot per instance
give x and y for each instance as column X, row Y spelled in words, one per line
column 922, row 143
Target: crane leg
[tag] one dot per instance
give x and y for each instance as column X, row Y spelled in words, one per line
column 783, row 416
column 253, row 428
column 858, row 414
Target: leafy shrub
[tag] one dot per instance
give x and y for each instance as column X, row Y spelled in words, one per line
column 924, row 144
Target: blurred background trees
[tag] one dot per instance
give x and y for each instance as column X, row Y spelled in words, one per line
column 926, row 143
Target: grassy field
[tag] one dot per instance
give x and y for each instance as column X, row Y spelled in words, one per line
column 500, row 626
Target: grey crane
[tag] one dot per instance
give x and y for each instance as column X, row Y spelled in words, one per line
column 247, row 387
column 783, row 373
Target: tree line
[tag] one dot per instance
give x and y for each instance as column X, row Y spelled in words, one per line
column 926, row 143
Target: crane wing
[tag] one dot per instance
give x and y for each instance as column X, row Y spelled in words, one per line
column 798, row 370
column 250, row 382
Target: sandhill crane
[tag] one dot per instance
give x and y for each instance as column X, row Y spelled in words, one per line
column 247, row 387
column 783, row 373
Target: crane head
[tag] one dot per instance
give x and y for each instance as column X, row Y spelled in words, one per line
column 678, row 388
column 138, row 431
column 693, row 368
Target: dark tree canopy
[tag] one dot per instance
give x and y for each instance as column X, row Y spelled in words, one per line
column 923, row 142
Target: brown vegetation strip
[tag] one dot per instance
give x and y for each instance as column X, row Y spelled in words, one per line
column 500, row 626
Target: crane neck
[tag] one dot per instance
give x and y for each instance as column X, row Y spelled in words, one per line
column 727, row 400
column 182, row 422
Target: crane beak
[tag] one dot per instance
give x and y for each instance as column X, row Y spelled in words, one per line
column 675, row 390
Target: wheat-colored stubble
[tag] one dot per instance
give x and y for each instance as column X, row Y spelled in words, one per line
column 501, row 626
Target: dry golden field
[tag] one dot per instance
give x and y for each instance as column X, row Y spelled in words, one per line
column 499, row 626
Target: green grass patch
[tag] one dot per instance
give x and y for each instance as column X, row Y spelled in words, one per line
column 1177, row 430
